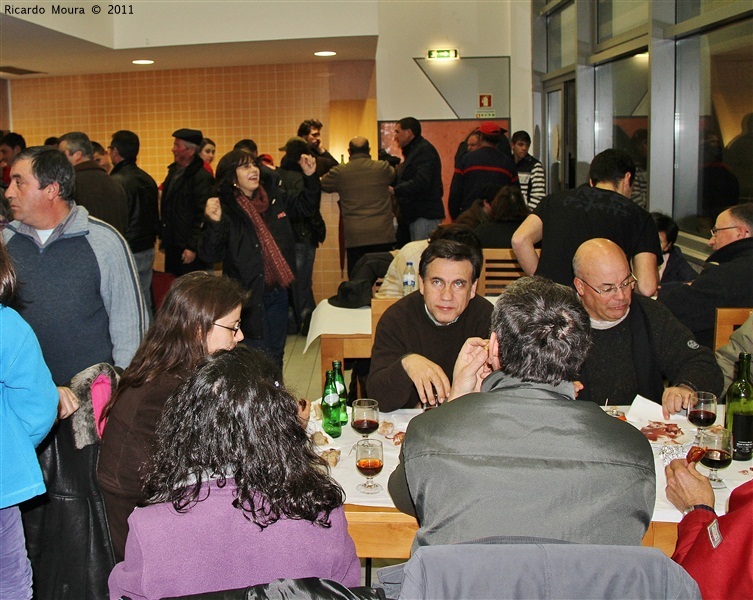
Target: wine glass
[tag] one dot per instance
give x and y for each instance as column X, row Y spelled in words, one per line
column 369, row 462
column 718, row 444
column 365, row 418
column 702, row 412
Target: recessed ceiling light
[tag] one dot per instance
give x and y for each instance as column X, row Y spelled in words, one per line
column 325, row 53
column 143, row 62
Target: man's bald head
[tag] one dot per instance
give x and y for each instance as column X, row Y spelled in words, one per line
column 603, row 279
column 597, row 250
column 358, row 145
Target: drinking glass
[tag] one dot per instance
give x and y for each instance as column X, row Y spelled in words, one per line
column 702, row 412
column 369, row 462
column 718, row 444
column 365, row 419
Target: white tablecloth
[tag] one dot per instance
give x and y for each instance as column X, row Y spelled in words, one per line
column 331, row 319
column 346, row 473
column 348, row 477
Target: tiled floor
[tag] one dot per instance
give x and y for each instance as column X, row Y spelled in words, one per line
column 301, row 372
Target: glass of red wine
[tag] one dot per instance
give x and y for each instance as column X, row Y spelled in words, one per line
column 718, row 444
column 365, row 418
column 369, row 462
column 702, row 412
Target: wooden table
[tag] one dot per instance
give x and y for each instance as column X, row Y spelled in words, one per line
column 339, row 346
column 388, row 533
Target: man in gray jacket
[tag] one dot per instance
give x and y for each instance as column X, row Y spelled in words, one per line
column 523, row 457
column 365, row 203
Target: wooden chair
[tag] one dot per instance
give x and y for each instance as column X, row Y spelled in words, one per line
column 378, row 306
column 501, row 268
column 727, row 320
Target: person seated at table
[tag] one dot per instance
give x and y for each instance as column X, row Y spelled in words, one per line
column 725, row 281
column 523, row 457
column 727, row 356
column 675, row 268
column 236, row 494
column 392, row 286
column 418, row 338
column 714, row 550
column 508, row 211
column 199, row 316
column 637, row 343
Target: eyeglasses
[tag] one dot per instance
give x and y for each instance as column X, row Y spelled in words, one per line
column 235, row 328
column 715, row 230
column 610, row 290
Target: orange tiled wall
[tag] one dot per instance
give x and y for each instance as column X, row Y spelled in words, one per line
column 266, row 103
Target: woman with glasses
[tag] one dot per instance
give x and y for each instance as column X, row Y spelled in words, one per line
column 200, row 315
column 247, row 227
column 236, row 494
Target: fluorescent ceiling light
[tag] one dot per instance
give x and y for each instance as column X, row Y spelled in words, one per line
column 325, row 53
column 144, row 61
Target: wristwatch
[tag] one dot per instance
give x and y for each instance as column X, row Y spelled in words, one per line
column 690, row 509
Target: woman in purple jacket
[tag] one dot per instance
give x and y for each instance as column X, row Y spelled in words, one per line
column 237, row 495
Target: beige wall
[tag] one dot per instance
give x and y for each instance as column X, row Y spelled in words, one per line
column 266, row 103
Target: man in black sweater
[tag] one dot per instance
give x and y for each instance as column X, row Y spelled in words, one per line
column 637, row 343
column 418, row 338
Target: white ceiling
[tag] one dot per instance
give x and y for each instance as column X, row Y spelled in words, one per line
column 28, row 46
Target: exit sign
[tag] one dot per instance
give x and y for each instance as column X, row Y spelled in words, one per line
column 443, row 54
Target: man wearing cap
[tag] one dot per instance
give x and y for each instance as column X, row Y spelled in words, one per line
column 184, row 194
column 365, row 203
column 418, row 185
column 481, row 167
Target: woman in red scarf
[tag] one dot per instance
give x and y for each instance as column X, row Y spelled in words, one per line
column 247, row 227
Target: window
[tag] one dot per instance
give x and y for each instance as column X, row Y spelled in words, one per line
column 622, row 114
column 713, row 125
column 561, row 43
column 617, row 17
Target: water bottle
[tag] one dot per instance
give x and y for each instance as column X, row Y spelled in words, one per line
column 409, row 279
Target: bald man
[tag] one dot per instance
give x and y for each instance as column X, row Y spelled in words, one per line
column 638, row 346
column 365, row 202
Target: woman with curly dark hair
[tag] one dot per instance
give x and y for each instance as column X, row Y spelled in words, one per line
column 200, row 314
column 237, row 496
column 508, row 211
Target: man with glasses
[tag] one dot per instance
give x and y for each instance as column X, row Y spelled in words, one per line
column 564, row 220
column 637, row 344
column 725, row 282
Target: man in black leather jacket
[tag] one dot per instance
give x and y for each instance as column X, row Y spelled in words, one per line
column 142, row 226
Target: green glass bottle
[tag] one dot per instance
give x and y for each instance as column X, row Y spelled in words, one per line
column 331, row 407
column 739, row 417
column 337, row 367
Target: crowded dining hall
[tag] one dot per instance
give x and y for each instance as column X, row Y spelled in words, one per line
column 359, row 310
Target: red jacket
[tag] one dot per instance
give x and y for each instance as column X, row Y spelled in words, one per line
column 727, row 570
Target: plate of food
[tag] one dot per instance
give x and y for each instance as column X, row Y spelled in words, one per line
column 665, row 432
